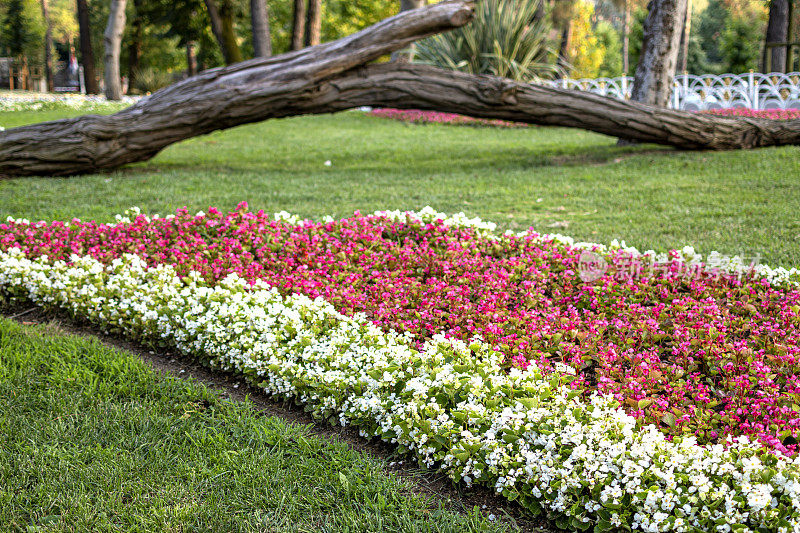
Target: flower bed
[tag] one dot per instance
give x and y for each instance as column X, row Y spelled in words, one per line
column 388, row 343
column 16, row 101
column 415, row 116
column 774, row 114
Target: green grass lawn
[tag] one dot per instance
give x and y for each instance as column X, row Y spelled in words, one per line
column 92, row 439
column 557, row 180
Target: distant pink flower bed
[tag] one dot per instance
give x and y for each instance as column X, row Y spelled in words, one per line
column 774, row 114
column 417, row 116
column 707, row 356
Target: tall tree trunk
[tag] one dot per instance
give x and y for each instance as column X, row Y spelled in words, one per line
column 87, row 54
column 408, row 54
column 563, row 49
column 332, row 77
column 777, row 32
column 790, row 38
column 655, row 72
column 299, row 25
column 685, row 37
column 135, row 46
column 222, row 26
column 112, row 39
column 48, row 46
column 626, row 34
column 259, row 22
column 313, row 22
column 191, row 59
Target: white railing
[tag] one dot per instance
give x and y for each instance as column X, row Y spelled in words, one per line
column 709, row 91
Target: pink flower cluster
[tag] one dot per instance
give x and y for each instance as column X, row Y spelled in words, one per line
column 774, row 114
column 710, row 356
column 416, row 116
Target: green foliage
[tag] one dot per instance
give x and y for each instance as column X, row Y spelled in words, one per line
column 22, row 29
column 587, row 52
column 345, row 17
column 149, row 80
column 609, row 39
column 636, row 36
column 339, row 18
column 62, row 14
column 740, row 42
column 505, row 39
column 697, row 62
column 711, row 25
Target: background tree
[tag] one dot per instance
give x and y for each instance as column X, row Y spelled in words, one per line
column 710, row 26
column 87, row 50
column 48, row 46
column 740, row 45
column 222, row 16
column 777, row 32
column 686, row 33
column 176, row 38
column 313, row 23
column 22, row 29
column 655, row 72
column 624, row 7
column 259, row 23
column 61, row 14
column 585, row 52
column 563, row 12
column 299, row 26
column 345, row 17
column 113, row 42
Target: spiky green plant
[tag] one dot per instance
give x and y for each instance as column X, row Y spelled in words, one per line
column 507, row 38
column 149, row 80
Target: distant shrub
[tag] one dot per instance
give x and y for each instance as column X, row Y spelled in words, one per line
column 149, row 80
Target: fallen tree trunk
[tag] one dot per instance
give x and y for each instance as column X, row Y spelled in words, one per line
column 422, row 87
column 329, row 78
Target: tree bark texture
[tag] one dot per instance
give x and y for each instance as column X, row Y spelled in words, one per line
column 299, row 25
column 48, row 46
column 259, row 23
column 112, row 40
column 563, row 49
column 313, row 22
column 191, row 59
column 655, row 72
column 222, row 26
column 332, row 77
column 777, row 32
column 87, row 54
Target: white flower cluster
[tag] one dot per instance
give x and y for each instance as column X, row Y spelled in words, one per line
column 451, row 403
column 38, row 101
column 428, row 214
